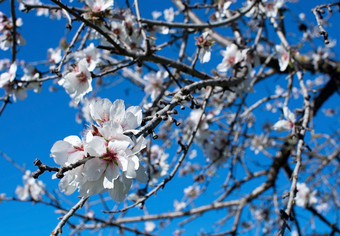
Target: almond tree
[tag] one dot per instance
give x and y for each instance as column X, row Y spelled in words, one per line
column 233, row 91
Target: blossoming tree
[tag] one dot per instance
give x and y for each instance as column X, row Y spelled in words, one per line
column 235, row 102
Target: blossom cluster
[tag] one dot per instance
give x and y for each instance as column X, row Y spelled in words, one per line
column 32, row 188
column 17, row 87
column 111, row 150
column 6, row 35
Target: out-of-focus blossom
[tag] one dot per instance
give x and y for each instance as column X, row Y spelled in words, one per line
column 192, row 191
column 284, row 57
column 154, row 83
column 271, row 7
column 54, row 55
column 149, row 226
column 99, row 5
column 204, row 45
column 32, row 188
column 304, row 196
column 169, row 14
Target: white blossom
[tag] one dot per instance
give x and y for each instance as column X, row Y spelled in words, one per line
column 288, row 123
column 304, row 196
column 77, row 83
column 91, row 54
column 149, row 226
column 284, row 57
column 114, row 158
column 54, row 55
column 231, row 56
column 154, row 83
column 99, row 5
column 204, row 45
column 169, row 14
column 32, row 188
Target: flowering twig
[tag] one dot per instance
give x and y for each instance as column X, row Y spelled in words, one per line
column 60, row 170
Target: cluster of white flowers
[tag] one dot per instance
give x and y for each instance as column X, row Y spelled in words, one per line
column 41, row 11
column 125, row 32
column 222, row 10
column 114, row 162
column 32, row 188
column 17, row 88
column 6, row 36
column 271, row 7
column 159, row 164
column 192, row 191
column 260, row 143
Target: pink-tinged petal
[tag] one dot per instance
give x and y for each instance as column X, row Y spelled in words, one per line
column 281, row 126
column 117, row 112
column 111, row 129
column 222, row 67
column 111, row 173
column 93, row 169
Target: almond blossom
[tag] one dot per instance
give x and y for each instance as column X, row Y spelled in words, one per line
column 204, row 45
column 232, row 55
column 32, row 188
column 304, row 196
column 271, row 7
column 54, row 55
column 169, row 14
column 114, row 160
column 283, row 57
column 77, row 83
column 91, row 54
column 154, row 83
column 7, row 81
column 288, row 123
column 99, row 5
column 6, row 35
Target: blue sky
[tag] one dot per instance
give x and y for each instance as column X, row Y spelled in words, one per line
column 29, row 128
